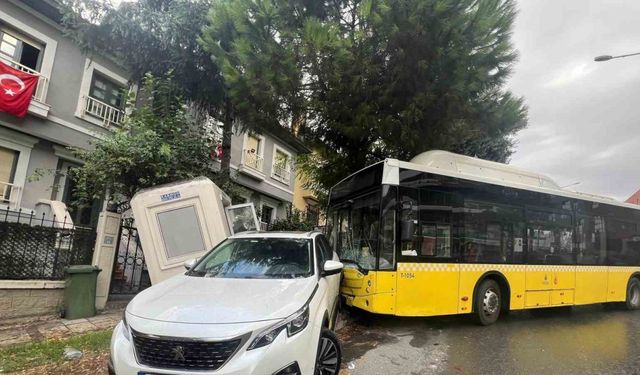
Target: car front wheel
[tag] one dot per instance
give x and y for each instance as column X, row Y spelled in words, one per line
column 329, row 354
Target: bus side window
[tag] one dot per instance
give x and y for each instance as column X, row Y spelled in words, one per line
column 623, row 243
column 426, row 223
column 492, row 232
column 550, row 236
column 591, row 240
column 408, row 220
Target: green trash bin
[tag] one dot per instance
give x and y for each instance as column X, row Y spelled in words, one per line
column 80, row 291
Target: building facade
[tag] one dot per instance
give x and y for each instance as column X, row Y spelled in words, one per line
column 77, row 100
column 305, row 201
column 265, row 165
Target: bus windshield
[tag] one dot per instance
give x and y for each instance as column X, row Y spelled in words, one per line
column 353, row 229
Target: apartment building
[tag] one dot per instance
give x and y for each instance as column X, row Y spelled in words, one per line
column 265, row 165
column 76, row 101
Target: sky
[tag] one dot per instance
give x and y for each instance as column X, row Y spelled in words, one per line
column 584, row 116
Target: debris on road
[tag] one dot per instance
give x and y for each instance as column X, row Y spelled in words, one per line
column 72, row 353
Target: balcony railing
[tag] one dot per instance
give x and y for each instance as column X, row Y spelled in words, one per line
column 9, row 194
column 282, row 173
column 108, row 114
column 251, row 159
column 40, row 92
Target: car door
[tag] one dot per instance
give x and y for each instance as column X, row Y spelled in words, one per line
column 332, row 282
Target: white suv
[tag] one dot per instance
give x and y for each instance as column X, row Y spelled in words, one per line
column 258, row 303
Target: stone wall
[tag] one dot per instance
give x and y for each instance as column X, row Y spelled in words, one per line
column 20, row 299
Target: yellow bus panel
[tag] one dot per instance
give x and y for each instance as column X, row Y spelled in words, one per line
column 591, row 284
column 426, row 289
column 561, row 297
column 430, row 289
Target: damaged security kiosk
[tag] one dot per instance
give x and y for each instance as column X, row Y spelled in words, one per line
column 181, row 221
column 256, row 303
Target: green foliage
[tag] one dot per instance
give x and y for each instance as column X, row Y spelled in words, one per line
column 18, row 357
column 156, row 36
column 160, row 142
column 396, row 78
column 366, row 80
column 296, row 220
column 150, row 36
column 251, row 43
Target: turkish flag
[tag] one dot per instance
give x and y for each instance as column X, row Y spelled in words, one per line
column 16, row 90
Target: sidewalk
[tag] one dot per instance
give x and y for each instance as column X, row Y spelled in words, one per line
column 20, row 331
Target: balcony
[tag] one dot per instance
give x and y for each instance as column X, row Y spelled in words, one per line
column 251, row 164
column 104, row 114
column 282, row 173
column 9, row 195
column 37, row 106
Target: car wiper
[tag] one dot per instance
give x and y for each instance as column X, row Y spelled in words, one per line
column 195, row 273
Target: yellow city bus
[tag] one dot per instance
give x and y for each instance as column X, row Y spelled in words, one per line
column 450, row 234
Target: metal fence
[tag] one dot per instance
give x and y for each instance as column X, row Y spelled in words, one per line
column 130, row 274
column 36, row 247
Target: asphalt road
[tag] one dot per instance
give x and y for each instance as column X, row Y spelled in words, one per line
column 581, row 340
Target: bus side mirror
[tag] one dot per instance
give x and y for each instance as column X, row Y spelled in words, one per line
column 407, row 228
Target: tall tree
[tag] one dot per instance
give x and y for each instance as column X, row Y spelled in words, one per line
column 156, row 36
column 254, row 45
column 367, row 79
column 396, row 78
column 159, row 142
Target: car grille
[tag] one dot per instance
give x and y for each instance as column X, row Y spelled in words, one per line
column 184, row 354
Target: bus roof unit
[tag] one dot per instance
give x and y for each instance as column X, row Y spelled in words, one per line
column 482, row 170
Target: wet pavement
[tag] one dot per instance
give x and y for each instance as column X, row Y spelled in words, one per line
column 582, row 340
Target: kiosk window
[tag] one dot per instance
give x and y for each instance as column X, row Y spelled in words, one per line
column 180, row 230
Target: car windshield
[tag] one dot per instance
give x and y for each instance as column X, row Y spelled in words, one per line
column 257, row 258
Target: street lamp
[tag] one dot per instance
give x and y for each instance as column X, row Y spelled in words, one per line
column 609, row 57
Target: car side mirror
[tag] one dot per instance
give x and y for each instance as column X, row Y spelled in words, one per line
column 331, row 267
column 189, row 263
column 407, row 228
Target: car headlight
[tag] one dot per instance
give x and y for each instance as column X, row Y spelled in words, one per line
column 294, row 324
column 126, row 331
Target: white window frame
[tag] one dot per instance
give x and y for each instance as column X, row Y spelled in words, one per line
column 243, row 167
column 90, row 66
column 242, row 205
column 260, row 152
column 66, row 157
column 277, row 148
column 49, row 47
column 25, row 39
column 23, row 144
column 49, row 44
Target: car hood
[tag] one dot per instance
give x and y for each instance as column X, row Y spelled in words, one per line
column 188, row 299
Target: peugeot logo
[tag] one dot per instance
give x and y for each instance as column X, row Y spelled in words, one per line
column 178, row 353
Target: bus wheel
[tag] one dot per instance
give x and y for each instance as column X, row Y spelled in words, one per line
column 488, row 302
column 633, row 294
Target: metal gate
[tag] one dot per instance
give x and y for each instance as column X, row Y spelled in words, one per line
column 130, row 274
